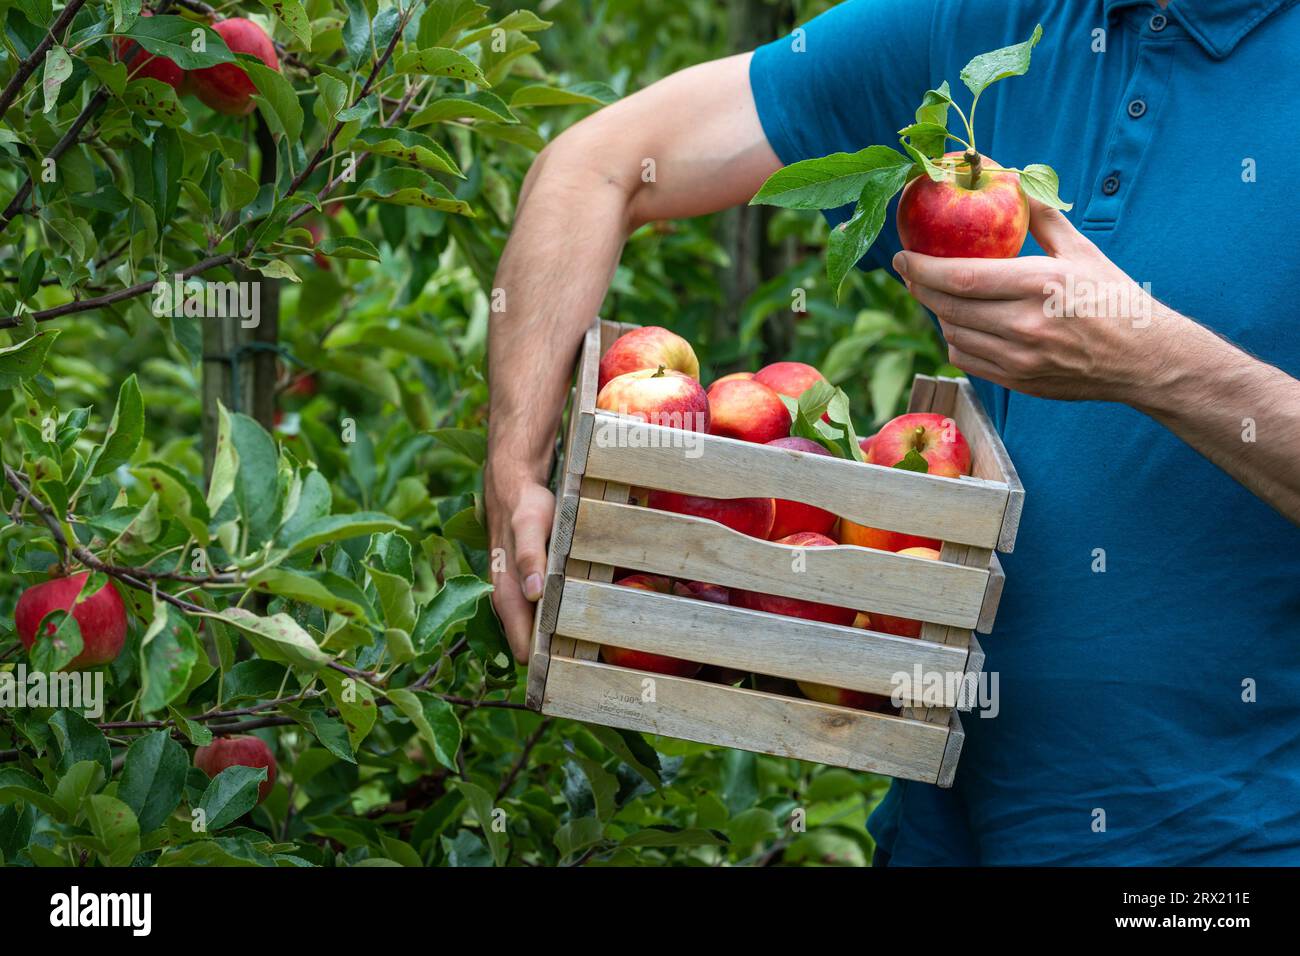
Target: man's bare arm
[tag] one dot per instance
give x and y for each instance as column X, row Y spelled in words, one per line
column 698, row 132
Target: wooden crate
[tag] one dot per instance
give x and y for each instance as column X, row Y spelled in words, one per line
column 596, row 529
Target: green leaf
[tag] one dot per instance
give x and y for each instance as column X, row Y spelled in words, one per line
column 230, row 795
column 452, row 605
column 153, row 778
column 77, row 740
column 932, row 117
column 889, row 379
column 333, row 735
column 178, row 496
column 293, row 16
column 355, row 703
column 277, row 638
column 1040, row 182
column 124, row 431
column 655, row 836
column 440, row 61
column 913, row 461
column 481, row 808
column 155, row 100
column 434, row 721
column 58, row 67
column 331, row 592
column 395, row 598
column 348, row 247
column 479, row 105
column 81, row 780
column 257, row 481
column 285, row 110
column 25, row 360
column 172, row 37
column 850, row 240
column 412, row 187
column 580, row 94
column 54, row 651
column 196, row 733
column 468, row 442
column 17, row 785
column 990, row 67
column 828, row 181
column 116, row 828
column 408, row 146
column 335, row 528
column 168, row 652
column 225, row 464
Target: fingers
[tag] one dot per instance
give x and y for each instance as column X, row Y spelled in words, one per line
column 1055, row 233
column 516, row 614
column 987, row 315
column 975, row 278
column 530, row 525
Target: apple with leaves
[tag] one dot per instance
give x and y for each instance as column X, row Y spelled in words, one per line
column 227, row 87
column 100, row 617
column 142, row 64
column 238, row 751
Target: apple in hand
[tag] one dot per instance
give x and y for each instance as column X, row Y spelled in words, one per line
column 140, row 63
column 935, row 437
column 642, row 660
column 842, row 697
column 648, row 347
column 658, row 396
column 792, row 516
column 902, row 626
column 226, row 87
column 751, row 516
column 796, row 607
column 101, row 618
column 954, row 219
column 239, row 751
column 747, row 409
column 789, row 378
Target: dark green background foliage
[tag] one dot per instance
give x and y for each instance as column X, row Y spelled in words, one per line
column 342, row 613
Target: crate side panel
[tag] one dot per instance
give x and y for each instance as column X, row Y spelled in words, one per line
column 746, row 720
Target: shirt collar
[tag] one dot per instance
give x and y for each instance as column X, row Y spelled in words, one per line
column 1217, row 25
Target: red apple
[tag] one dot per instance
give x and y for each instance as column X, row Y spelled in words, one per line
column 238, row 752
column 648, row 347
column 842, row 697
column 954, row 220
column 642, row 660
column 141, row 63
column 735, row 376
column 792, row 516
column 902, row 626
column 882, row 540
column 935, row 437
column 226, row 87
column 658, row 396
column 751, row 516
column 101, row 618
column 698, row 590
column 748, row 410
column 789, row 378
column 865, row 445
column 795, row 607
column 317, row 234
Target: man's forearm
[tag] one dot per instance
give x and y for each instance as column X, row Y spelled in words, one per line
column 562, row 252
column 1239, row 412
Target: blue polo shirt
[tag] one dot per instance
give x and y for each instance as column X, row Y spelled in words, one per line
column 1150, row 711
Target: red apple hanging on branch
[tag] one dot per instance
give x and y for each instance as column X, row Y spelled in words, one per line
column 100, row 617
column 954, row 204
column 227, row 87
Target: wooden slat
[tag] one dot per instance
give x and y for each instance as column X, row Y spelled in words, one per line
column 747, row 640
column 952, row 752
column 581, row 568
column 548, row 608
column 992, row 596
column 683, row 546
column 989, row 459
column 922, row 394
column 588, row 379
column 627, row 450
column 745, row 719
column 974, row 667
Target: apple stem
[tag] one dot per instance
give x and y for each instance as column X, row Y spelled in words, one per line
column 660, row 373
column 972, row 159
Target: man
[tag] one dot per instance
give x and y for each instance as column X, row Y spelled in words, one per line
column 1147, row 640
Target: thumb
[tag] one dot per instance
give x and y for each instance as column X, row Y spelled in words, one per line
column 530, row 524
column 1054, row 232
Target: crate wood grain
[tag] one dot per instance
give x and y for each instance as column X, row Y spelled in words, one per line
column 697, row 549
column 749, row 640
column 745, row 719
column 596, row 532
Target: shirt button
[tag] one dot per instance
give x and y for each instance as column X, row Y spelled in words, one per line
column 1136, row 108
column 1158, row 22
column 1110, row 185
